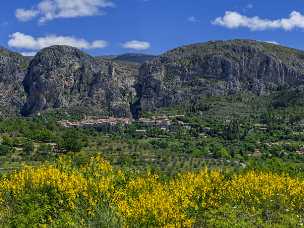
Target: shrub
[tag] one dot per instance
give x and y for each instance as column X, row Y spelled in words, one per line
column 4, row 150
column 28, row 148
column 72, row 141
column 66, row 195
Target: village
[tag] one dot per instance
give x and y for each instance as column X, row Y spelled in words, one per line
column 166, row 123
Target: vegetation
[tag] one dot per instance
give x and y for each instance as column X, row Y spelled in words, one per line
column 63, row 194
column 235, row 161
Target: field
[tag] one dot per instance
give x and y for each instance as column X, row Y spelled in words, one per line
column 239, row 164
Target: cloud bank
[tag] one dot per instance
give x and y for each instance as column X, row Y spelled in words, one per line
column 23, row 41
column 48, row 10
column 233, row 20
column 136, row 45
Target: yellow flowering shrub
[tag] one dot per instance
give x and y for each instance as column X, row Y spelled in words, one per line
column 147, row 201
column 47, row 194
column 61, row 183
column 34, row 179
column 197, row 190
column 255, row 188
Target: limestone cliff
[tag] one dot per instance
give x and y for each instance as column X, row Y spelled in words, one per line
column 65, row 77
column 218, row 68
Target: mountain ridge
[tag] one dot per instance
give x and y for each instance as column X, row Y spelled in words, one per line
column 65, row 77
column 12, row 71
column 218, row 68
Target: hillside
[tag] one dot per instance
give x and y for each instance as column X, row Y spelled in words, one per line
column 12, row 71
column 65, row 77
column 218, row 68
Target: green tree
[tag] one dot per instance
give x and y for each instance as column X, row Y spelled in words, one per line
column 8, row 141
column 72, row 141
column 4, row 150
column 28, row 148
column 219, row 151
column 44, row 150
column 232, row 130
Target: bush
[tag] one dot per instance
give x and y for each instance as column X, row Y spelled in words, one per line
column 44, row 151
column 219, row 151
column 72, row 141
column 4, row 150
column 222, row 153
column 8, row 141
column 97, row 194
column 159, row 144
column 43, row 135
column 28, row 148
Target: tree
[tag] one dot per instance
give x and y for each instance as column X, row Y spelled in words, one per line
column 4, row 150
column 8, row 141
column 72, row 141
column 232, row 130
column 219, row 151
column 44, row 150
column 135, row 108
column 28, row 148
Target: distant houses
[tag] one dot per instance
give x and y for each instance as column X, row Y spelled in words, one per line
column 111, row 123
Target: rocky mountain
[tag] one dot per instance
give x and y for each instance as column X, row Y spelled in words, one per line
column 218, row 68
column 12, row 71
column 65, row 77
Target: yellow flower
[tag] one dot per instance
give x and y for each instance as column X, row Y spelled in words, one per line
column 147, row 200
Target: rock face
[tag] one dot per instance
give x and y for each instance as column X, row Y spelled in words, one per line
column 218, row 68
column 12, row 71
column 65, row 77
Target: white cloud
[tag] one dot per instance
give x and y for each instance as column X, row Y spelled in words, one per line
column 192, row 19
column 26, row 15
column 48, row 10
column 137, row 45
column 234, row 20
column 99, row 44
column 272, row 42
column 23, row 41
column 30, row 53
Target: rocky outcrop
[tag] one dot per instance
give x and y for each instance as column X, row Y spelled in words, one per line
column 12, row 71
column 65, row 77
column 218, row 68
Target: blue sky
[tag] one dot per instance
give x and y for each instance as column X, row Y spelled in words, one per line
column 102, row 27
